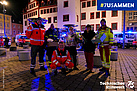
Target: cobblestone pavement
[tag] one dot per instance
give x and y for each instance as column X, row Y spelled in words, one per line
column 17, row 77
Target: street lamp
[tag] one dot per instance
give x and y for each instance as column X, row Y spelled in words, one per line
column 4, row 10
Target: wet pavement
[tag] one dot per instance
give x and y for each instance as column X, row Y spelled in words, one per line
column 15, row 75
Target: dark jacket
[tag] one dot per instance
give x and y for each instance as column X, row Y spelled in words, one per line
column 51, row 33
column 88, row 45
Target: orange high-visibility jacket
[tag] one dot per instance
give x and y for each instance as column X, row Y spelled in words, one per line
column 36, row 34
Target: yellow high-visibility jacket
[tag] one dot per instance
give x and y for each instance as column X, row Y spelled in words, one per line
column 109, row 35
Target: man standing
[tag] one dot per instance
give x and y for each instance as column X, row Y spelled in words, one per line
column 105, row 46
column 36, row 34
column 52, row 35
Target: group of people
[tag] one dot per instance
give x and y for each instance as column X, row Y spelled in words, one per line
column 65, row 54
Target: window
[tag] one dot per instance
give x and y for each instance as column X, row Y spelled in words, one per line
column 28, row 15
column 103, row 14
column 55, row 19
column 92, row 15
column 97, row 14
column 93, row 2
column 92, row 27
column 65, row 17
column 65, row 4
column 30, row 6
column 47, row 10
column 8, row 25
column 131, row 28
column 83, row 27
column 54, row 9
column 18, row 26
column 88, row 3
column 24, row 16
column 114, row 26
column 32, row 14
column 49, row 19
column 50, row 10
column 127, row 28
column 14, row 26
column 97, row 26
column 0, row 16
column 25, row 23
column 135, row 15
column 44, row 11
column 83, row 16
column 36, row 12
column 0, row 24
column 34, row 4
column 14, row 32
column 83, row 4
column 135, row 28
column 18, row 31
column 114, row 13
column 77, row 19
column 7, row 18
column 130, row 15
column 41, row 11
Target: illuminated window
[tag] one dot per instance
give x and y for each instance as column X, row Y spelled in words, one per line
column 0, row 24
column 130, row 15
column 114, row 26
column 0, row 16
column 55, row 19
column 8, row 25
column 65, row 17
column 7, row 18
column 135, row 15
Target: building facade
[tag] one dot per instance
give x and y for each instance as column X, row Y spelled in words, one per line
column 79, row 12
column 8, row 25
column 16, row 29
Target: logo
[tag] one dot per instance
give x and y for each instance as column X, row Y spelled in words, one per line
column 116, row 4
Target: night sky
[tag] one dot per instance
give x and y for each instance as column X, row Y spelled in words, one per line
column 15, row 8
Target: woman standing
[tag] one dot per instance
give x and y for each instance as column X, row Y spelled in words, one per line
column 89, row 47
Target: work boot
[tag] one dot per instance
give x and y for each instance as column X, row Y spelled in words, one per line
column 63, row 70
column 103, row 69
column 32, row 71
column 107, row 73
column 42, row 68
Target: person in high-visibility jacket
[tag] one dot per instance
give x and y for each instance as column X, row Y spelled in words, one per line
column 51, row 34
column 105, row 46
column 61, row 57
column 35, row 33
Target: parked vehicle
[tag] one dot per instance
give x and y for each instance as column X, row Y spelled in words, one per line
column 129, row 38
column 21, row 39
